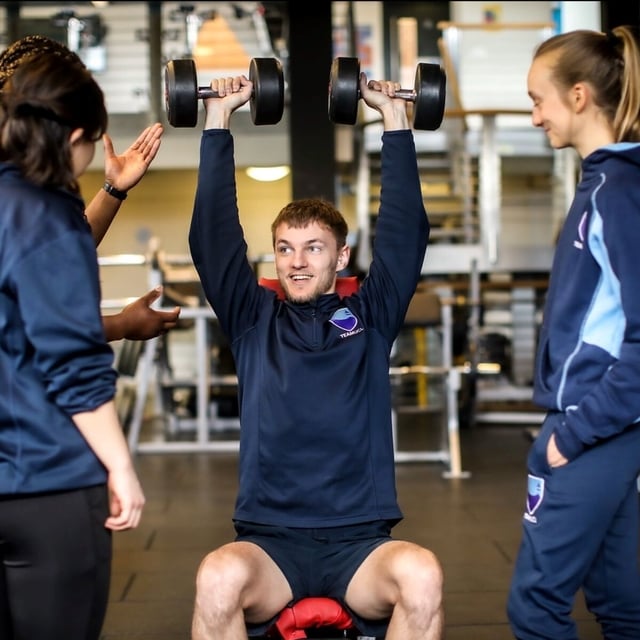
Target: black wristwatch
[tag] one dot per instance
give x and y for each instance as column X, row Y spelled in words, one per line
column 112, row 191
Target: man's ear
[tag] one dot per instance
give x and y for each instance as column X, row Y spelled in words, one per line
column 343, row 258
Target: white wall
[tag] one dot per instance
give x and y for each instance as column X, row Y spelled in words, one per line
column 578, row 15
column 474, row 12
column 492, row 63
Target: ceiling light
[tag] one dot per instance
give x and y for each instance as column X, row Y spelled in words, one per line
column 268, row 174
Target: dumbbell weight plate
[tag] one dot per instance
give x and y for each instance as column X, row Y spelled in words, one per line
column 267, row 101
column 430, row 90
column 344, row 90
column 181, row 92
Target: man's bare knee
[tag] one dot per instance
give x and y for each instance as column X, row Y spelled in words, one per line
column 222, row 576
column 239, row 581
column 221, row 584
column 424, row 581
column 419, row 606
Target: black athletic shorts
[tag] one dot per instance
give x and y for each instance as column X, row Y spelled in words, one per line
column 319, row 562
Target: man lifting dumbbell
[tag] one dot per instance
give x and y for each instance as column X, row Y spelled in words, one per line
column 182, row 92
column 317, row 497
column 428, row 94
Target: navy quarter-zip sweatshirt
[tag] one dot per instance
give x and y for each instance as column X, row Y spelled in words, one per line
column 316, row 445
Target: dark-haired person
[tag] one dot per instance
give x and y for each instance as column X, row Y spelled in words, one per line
column 67, row 479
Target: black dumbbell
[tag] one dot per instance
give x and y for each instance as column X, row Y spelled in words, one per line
column 182, row 93
column 428, row 94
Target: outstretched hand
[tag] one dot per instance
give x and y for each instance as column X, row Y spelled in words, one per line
column 142, row 322
column 124, row 171
column 139, row 321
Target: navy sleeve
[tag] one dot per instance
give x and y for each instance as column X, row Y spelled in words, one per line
column 58, row 293
column 402, row 234
column 216, row 238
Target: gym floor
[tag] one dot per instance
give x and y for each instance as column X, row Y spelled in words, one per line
column 472, row 524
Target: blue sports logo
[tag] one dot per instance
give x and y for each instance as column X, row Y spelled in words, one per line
column 344, row 320
column 535, row 493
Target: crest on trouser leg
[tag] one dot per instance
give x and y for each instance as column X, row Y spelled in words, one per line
column 535, row 494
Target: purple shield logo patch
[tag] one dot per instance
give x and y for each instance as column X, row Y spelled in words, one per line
column 535, row 493
column 344, row 320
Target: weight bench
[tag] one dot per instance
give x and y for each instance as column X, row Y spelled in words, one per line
column 314, row 617
column 311, row 617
